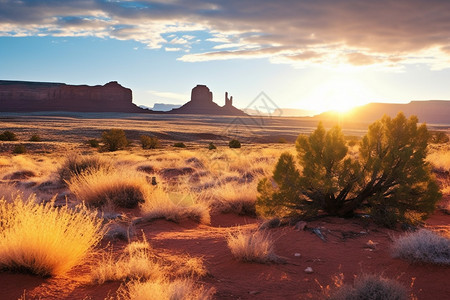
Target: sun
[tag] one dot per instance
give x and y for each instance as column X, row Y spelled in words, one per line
column 339, row 94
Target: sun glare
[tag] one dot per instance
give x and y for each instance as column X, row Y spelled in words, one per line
column 341, row 94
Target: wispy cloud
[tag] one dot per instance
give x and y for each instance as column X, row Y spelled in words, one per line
column 179, row 98
column 388, row 33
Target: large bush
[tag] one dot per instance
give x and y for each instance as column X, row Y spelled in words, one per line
column 115, row 139
column 149, row 142
column 388, row 177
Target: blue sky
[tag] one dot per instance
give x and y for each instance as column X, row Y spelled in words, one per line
column 315, row 55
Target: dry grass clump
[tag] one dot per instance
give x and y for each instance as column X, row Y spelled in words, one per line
column 371, row 287
column 423, row 246
column 257, row 246
column 231, row 198
column 174, row 206
column 45, row 240
column 121, row 188
column 164, row 289
column 75, row 165
column 137, row 261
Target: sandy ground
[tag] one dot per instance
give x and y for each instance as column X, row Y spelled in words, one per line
column 345, row 251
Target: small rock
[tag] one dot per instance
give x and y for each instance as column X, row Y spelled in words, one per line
column 309, row 270
column 254, row 292
column 371, row 244
column 297, row 254
column 300, row 226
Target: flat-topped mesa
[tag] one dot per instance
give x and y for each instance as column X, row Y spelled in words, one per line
column 42, row 96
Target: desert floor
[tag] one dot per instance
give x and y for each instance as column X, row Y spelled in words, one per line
column 351, row 247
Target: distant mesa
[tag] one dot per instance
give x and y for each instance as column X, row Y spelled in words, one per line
column 202, row 103
column 25, row 96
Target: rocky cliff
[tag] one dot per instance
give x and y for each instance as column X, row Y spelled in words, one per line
column 201, row 103
column 25, row 96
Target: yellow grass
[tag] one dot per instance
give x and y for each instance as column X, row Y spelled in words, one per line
column 174, row 206
column 439, row 157
column 164, row 289
column 44, row 240
column 122, row 188
column 136, row 262
column 248, row 246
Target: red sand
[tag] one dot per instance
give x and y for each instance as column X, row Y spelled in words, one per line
column 344, row 252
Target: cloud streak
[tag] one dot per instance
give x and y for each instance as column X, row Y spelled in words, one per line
column 300, row 32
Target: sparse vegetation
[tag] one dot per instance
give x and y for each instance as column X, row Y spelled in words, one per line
column 164, row 289
column 43, row 239
column 211, row 146
column 389, row 176
column 8, row 136
column 76, row 164
column 94, row 143
column 371, row 287
column 120, row 188
column 149, row 142
column 234, row 144
column 423, row 246
column 438, row 137
column 179, row 145
column 19, row 149
column 115, row 139
column 248, row 246
column 35, row 138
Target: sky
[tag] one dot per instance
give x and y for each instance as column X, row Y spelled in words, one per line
column 314, row 55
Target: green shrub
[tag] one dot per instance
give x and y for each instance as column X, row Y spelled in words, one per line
column 8, row 136
column 423, row 246
column 179, row 145
column 35, row 138
column 234, row 144
column 149, row 142
column 371, row 287
column 94, row 143
column 115, row 139
column 211, row 146
column 390, row 174
column 19, row 149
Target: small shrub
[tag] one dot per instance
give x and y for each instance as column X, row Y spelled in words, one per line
column 19, row 149
column 179, row 145
column 282, row 140
column 136, row 262
column 371, row 287
column 164, row 289
column 94, row 143
column 423, row 246
column 115, row 139
column 118, row 188
column 162, row 205
column 35, row 138
column 8, row 136
column 74, row 165
column 211, row 146
column 43, row 239
column 252, row 246
column 149, row 142
column 234, row 144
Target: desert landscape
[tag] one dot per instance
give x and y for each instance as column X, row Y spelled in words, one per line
column 224, row 150
column 175, row 227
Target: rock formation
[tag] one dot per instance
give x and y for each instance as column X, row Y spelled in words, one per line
column 40, row 96
column 202, row 103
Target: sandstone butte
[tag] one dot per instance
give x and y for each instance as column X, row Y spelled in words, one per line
column 24, row 96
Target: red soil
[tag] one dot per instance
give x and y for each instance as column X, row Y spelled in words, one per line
column 345, row 251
